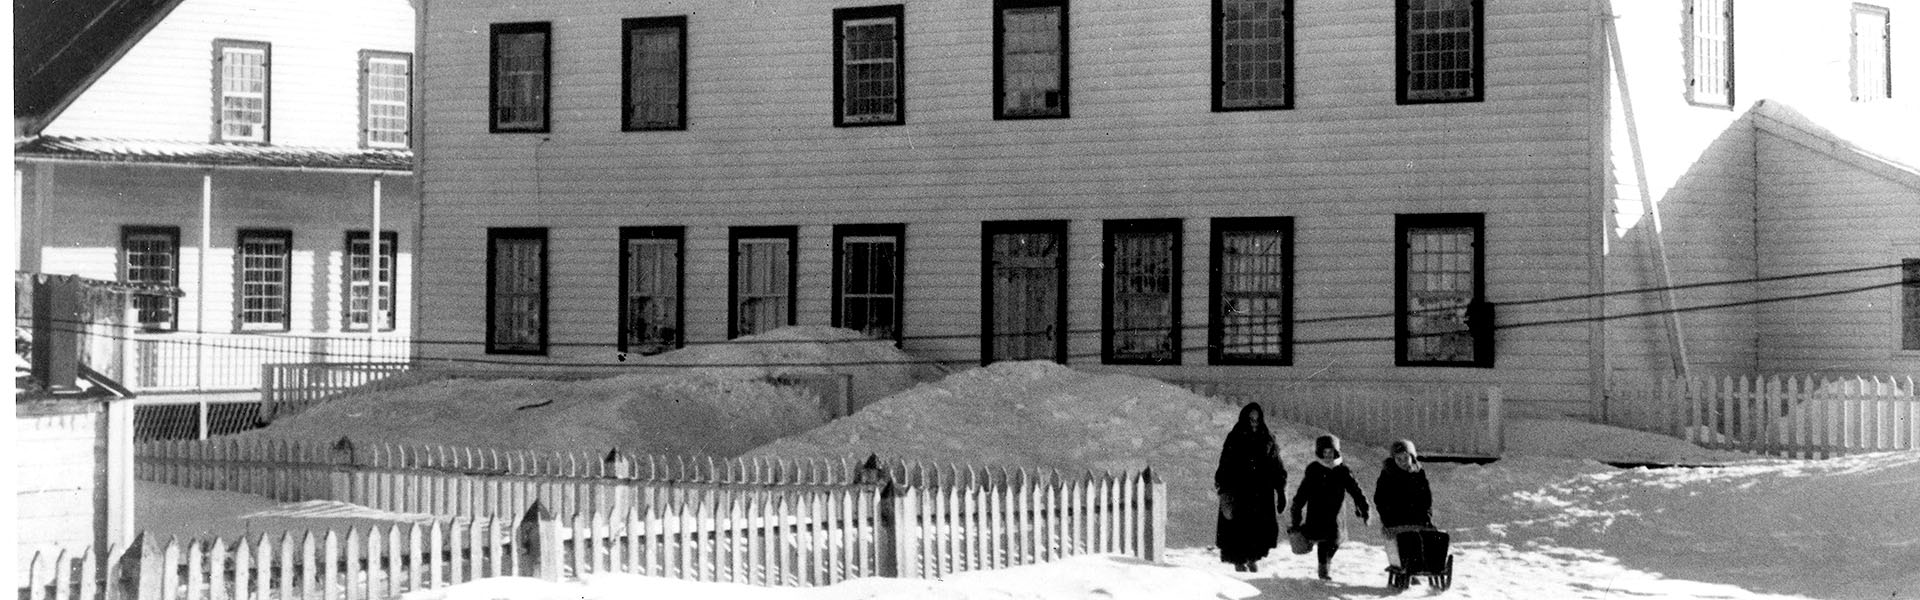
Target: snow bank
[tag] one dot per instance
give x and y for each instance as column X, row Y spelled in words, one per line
column 1580, row 439
column 714, row 402
column 1044, row 415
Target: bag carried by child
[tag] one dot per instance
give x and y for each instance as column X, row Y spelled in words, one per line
column 1298, row 542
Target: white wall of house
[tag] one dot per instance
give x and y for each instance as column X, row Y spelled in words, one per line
column 1696, row 167
column 163, row 88
column 1141, row 142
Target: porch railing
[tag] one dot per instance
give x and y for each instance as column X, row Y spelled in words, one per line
column 221, row 362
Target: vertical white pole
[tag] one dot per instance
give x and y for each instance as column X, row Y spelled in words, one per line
column 200, row 287
column 120, row 499
column 375, row 316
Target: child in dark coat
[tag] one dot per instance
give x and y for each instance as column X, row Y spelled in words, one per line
column 1321, row 496
column 1403, row 497
column 1252, row 484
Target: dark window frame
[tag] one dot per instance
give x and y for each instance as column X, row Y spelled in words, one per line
column 1480, row 332
column 391, row 240
column 172, row 233
column 1216, row 320
column 1691, row 70
column 988, row 229
column 678, row 235
column 897, row 12
column 366, row 89
column 1910, row 304
column 494, row 236
column 627, row 27
column 1886, row 49
column 1219, row 61
column 897, row 231
column 495, row 31
column 1108, row 261
column 1403, row 70
column 999, row 58
column 219, row 91
column 790, row 233
column 240, row 324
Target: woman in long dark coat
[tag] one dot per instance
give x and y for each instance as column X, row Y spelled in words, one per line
column 1323, row 491
column 1402, row 496
column 1252, row 484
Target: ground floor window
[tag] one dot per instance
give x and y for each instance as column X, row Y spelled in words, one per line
column 1141, row 277
column 152, row 257
column 869, row 263
column 1910, row 304
column 264, row 261
column 1251, row 316
column 762, row 290
column 1023, row 291
column 366, row 278
column 517, row 290
column 651, row 284
column 1439, row 281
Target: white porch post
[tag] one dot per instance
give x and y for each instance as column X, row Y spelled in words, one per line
column 200, row 287
column 375, row 316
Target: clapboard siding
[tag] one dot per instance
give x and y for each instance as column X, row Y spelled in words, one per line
column 315, row 71
column 1141, row 143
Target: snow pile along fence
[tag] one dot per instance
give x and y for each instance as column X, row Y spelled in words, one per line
column 1461, row 421
column 1804, row 417
column 288, row 388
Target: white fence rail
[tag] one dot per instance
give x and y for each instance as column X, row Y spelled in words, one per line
column 216, row 362
column 1781, row 416
column 288, row 388
column 1463, row 421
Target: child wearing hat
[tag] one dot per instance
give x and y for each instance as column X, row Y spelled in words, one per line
column 1321, row 496
column 1403, row 497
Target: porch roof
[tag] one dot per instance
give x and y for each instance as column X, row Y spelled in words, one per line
column 167, row 152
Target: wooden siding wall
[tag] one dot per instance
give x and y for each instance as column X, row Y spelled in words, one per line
column 1820, row 213
column 315, row 71
column 1698, row 163
column 55, row 493
column 760, row 150
column 81, row 233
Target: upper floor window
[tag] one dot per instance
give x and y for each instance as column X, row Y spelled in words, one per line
column 1709, row 50
column 1030, row 59
column 370, row 277
column 651, row 286
column 1252, row 54
column 1252, row 289
column 654, row 63
column 1872, row 53
column 265, row 277
column 866, row 278
column 1141, row 261
column 516, row 290
column 152, row 257
column 521, row 59
column 1443, row 318
column 763, row 284
column 1440, row 56
column 1910, row 304
column 869, row 55
column 241, row 84
column 386, row 84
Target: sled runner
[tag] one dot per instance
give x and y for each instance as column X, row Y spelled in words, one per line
column 1423, row 553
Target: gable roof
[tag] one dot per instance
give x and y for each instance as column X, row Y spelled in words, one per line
column 60, row 47
column 1868, row 138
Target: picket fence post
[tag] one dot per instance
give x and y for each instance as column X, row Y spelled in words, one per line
column 538, row 538
column 1155, row 545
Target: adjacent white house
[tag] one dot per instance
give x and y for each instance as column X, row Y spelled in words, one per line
column 258, row 157
column 1369, row 195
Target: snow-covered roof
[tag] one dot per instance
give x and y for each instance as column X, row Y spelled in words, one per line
column 168, row 152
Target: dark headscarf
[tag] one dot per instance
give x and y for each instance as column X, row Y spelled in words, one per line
column 1256, row 437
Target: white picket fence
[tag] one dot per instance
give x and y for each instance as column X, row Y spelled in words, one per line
column 1452, row 420
column 1805, row 417
column 759, row 535
column 288, row 388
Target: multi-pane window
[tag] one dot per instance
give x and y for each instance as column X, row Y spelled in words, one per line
column 1910, row 304
column 651, row 282
column 655, row 65
column 1142, row 281
column 1440, row 54
column 240, row 88
column 1030, row 59
column 1709, row 52
column 521, row 57
column 1872, row 54
column 763, row 285
column 866, row 278
column 1252, row 291
column 869, row 77
column 385, row 97
column 516, row 290
column 1439, row 301
column 370, row 277
column 152, row 257
column 1252, row 54
column 265, row 264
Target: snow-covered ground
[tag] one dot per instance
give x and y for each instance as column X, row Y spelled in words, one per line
column 1546, row 521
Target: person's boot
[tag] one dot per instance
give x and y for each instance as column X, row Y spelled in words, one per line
column 1240, row 567
column 1253, row 566
column 1323, row 572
